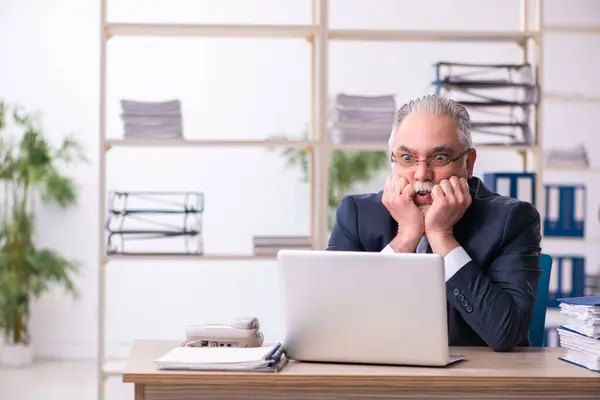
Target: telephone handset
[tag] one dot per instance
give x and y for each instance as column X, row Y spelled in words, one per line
column 242, row 332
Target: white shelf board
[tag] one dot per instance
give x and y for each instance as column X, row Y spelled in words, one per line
column 430, row 36
column 210, row 30
column 566, row 28
column 185, row 257
column 207, row 143
column 571, row 97
column 384, row 147
column 590, row 239
column 592, row 170
column 113, row 367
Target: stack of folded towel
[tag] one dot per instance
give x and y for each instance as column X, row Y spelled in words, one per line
column 362, row 119
column 151, row 120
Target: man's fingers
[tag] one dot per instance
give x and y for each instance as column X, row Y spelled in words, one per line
column 437, row 193
column 466, row 192
column 399, row 185
column 448, row 189
column 409, row 192
column 388, row 188
column 386, row 185
column 465, row 185
column 457, row 189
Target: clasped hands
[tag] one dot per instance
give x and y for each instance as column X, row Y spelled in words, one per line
column 450, row 200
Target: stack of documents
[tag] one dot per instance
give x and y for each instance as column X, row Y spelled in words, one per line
column 580, row 334
column 268, row 358
column 270, row 245
column 151, row 120
column 573, row 157
column 362, row 119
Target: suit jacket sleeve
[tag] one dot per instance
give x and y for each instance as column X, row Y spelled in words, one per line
column 344, row 236
column 498, row 303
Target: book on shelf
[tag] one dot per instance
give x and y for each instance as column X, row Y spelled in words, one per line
column 267, row 358
column 580, row 334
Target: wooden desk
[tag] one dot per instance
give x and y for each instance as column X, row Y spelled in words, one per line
column 525, row 374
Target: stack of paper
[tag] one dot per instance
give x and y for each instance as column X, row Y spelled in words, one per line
column 270, row 245
column 580, row 334
column 152, row 120
column 362, row 119
column 269, row 358
column 574, row 157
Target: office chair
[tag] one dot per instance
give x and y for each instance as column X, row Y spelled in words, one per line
column 538, row 319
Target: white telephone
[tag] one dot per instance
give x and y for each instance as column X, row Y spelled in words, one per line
column 242, row 332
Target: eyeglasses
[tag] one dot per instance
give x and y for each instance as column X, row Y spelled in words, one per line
column 439, row 160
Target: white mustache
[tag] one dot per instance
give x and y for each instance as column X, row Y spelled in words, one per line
column 423, row 187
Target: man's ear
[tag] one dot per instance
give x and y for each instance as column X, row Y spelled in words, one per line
column 471, row 157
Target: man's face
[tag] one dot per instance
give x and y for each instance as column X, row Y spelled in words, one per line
column 426, row 136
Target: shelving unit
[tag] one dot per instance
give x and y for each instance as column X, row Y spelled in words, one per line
column 319, row 35
column 553, row 317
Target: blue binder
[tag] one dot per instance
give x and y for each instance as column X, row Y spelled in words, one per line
column 565, row 210
column 590, row 301
column 566, row 281
column 507, row 184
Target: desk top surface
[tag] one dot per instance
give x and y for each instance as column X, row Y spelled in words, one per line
column 531, row 367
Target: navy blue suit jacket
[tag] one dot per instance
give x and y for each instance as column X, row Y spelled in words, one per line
column 491, row 298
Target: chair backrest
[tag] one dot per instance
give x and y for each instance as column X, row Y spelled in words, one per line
column 538, row 319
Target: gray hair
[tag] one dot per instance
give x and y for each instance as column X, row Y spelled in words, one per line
column 438, row 106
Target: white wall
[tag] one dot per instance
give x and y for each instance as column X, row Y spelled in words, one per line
column 241, row 89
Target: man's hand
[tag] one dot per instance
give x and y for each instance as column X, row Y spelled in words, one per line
column 398, row 198
column 451, row 198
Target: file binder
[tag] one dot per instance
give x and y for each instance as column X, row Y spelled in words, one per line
column 567, row 278
column 155, row 223
column 580, row 334
column 565, row 210
column 499, row 97
column 584, row 301
column 519, row 185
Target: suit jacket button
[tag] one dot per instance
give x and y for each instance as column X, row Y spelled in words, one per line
column 464, row 303
column 456, row 292
column 469, row 308
column 460, row 297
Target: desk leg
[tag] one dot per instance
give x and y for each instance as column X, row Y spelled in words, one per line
column 140, row 391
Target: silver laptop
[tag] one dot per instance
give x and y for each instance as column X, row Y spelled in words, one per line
column 364, row 307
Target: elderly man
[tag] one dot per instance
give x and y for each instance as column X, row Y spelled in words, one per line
column 433, row 203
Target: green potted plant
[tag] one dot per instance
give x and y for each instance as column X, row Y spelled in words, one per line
column 30, row 171
column 346, row 169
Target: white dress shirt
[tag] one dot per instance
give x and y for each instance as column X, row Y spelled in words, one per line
column 453, row 262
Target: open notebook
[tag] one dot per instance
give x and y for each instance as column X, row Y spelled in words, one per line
column 268, row 358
